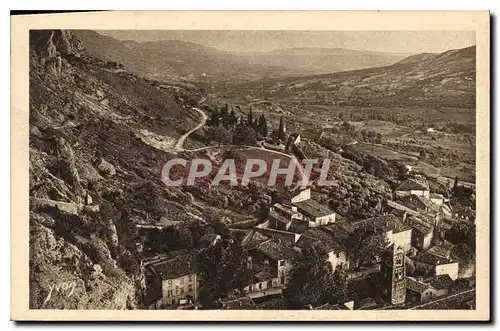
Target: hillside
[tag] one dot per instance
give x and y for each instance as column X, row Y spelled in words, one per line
column 177, row 60
column 98, row 138
column 447, row 79
column 325, row 60
column 187, row 61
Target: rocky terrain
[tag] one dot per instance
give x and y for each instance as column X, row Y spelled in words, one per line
column 99, row 136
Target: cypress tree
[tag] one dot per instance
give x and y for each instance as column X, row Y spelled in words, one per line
column 249, row 117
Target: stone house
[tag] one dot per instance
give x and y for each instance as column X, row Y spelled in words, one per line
column 422, row 233
column 328, row 239
column 418, row 291
column 434, row 265
column 170, row 280
column 397, row 232
column 270, row 262
column 413, row 186
column 315, row 213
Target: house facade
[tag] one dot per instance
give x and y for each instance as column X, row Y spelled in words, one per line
column 433, row 265
column 315, row 213
column 170, row 280
column 422, row 233
column 270, row 263
column 418, row 291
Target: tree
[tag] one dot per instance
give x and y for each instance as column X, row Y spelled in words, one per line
column 281, row 128
column 222, row 268
column 220, row 135
column 366, row 244
column 462, row 232
column 250, row 117
column 263, row 125
column 311, row 280
column 455, row 184
column 244, row 135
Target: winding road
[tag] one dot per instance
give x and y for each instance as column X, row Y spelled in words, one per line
column 180, row 143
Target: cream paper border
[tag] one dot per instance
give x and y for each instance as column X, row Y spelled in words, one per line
column 240, row 20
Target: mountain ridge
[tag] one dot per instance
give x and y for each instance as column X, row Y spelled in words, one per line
column 183, row 60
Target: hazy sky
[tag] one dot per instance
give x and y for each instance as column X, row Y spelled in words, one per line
column 384, row 41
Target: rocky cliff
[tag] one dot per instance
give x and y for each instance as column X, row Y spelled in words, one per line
column 87, row 162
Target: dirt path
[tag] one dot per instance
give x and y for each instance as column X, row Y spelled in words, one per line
column 180, row 143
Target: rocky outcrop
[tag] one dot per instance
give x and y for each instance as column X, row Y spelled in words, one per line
column 53, row 46
column 106, row 168
column 64, row 276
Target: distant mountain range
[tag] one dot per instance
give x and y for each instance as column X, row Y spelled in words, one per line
column 180, row 60
column 431, row 79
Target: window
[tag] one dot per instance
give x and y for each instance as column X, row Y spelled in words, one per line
column 182, row 289
column 170, row 283
column 182, row 280
column 190, row 278
column 176, row 290
column 399, row 260
column 190, row 288
column 260, row 286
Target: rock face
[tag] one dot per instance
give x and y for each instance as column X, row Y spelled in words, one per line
column 64, row 276
column 52, row 46
column 106, row 168
column 83, row 256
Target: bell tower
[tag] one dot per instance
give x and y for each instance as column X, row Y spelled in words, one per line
column 393, row 273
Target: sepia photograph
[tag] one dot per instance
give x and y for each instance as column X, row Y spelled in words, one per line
column 188, row 173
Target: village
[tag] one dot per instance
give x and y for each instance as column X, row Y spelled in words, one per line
column 414, row 268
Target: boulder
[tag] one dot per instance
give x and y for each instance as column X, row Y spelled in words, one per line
column 105, row 168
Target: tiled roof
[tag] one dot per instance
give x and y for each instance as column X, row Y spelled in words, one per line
column 440, row 250
column 416, row 286
column 328, row 238
column 401, row 207
column 305, row 241
column 313, row 208
column 288, row 194
column 432, row 259
column 253, row 239
column 457, row 301
column 441, row 282
column 177, row 265
column 275, row 250
column 386, row 222
column 415, row 202
column 419, row 225
column 413, row 185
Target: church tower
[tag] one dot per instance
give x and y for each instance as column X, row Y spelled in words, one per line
column 393, row 273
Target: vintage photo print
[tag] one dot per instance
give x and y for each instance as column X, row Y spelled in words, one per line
column 250, row 166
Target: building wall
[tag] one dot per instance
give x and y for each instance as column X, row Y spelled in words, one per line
column 448, row 269
column 428, row 295
column 401, row 239
column 328, row 219
column 337, row 259
column 179, row 288
column 284, row 268
column 427, row 240
column 421, row 193
column 442, row 292
column 437, row 201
